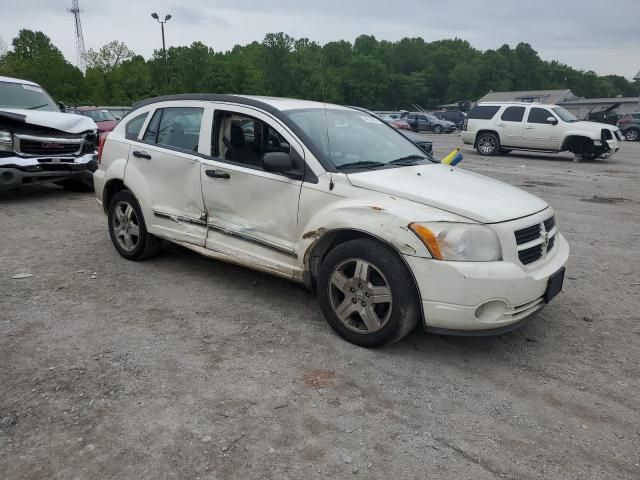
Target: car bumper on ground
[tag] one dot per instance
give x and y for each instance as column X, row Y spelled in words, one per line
column 481, row 298
column 17, row 171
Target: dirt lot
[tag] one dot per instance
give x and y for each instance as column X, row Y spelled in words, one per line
column 183, row 367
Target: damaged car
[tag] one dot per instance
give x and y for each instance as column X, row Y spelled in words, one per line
column 39, row 143
column 338, row 200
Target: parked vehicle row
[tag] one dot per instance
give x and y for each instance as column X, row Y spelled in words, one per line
column 40, row 144
column 335, row 198
column 494, row 128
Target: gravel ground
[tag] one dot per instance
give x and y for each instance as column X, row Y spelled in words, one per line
column 183, row 367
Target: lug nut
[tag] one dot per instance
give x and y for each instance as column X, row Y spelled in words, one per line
column 352, row 290
column 367, row 294
column 364, row 304
column 354, row 300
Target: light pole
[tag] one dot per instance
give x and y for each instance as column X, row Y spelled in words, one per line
column 164, row 49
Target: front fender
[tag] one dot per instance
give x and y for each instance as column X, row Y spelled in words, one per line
column 386, row 218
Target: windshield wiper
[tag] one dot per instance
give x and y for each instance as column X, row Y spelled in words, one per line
column 361, row 164
column 38, row 106
column 408, row 160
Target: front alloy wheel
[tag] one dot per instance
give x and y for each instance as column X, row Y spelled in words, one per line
column 367, row 293
column 360, row 296
column 437, row 129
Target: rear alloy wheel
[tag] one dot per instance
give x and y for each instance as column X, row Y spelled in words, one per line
column 367, row 294
column 437, row 129
column 127, row 228
column 632, row 135
column 488, row 144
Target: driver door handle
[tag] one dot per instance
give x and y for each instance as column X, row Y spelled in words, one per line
column 529, row 127
column 217, row 174
column 141, row 154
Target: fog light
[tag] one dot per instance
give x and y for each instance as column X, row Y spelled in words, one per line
column 492, row 311
column 6, row 177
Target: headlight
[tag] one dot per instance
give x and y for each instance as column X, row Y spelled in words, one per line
column 464, row 242
column 6, row 141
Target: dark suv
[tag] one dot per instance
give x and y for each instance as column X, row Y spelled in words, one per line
column 454, row 116
column 629, row 125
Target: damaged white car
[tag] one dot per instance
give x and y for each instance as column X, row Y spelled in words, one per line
column 335, row 198
column 40, row 144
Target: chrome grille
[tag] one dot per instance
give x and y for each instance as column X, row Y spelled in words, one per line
column 536, row 241
column 47, row 146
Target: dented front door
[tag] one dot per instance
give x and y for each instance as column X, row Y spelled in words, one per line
column 252, row 214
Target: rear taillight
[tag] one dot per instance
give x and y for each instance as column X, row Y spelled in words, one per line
column 103, row 138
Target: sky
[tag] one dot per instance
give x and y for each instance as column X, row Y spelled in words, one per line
column 585, row 34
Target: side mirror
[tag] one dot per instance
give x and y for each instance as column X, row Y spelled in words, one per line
column 62, row 107
column 552, row 120
column 118, row 117
column 280, row 162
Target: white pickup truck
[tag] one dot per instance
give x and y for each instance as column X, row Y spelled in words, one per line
column 39, row 143
column 494, row 128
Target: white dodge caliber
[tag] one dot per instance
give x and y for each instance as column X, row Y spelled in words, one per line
column 335, row 198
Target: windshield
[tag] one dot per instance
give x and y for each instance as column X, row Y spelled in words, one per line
column 30, row 97
column 355, row 139
column 564, row 114
column 98, row 115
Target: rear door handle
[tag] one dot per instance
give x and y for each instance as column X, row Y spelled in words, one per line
column 501, row 125
column 217, row 174
column 529, row 127
column 139, row 154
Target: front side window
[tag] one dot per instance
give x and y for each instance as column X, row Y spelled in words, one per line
column 513, row 114
column 351, row 139
column 133, row 126
column 245, row 140
column 539, row 115
column 565, row 115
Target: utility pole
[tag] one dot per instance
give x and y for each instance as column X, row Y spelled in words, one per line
column 164, row 48
column 80, row 51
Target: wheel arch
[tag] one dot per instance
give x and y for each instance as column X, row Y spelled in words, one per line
column 112, row 187
column 330, row 240
column 576, row 142
column 479, row 133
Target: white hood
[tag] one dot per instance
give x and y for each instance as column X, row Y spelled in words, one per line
column 454, row 190
column 65, row 122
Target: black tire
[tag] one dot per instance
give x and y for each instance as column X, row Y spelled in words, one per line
column 80, row 183
column 488, row 144
column 632, row 135
column 402, row 312
column 437, row 129
column 147, row 245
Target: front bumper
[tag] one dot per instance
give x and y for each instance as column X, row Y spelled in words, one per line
column 480, row 297
column 18, row 171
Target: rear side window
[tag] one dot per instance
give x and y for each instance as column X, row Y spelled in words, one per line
column 151, row 135
column 483, row 112
column 180, row 128
column 513, row 114
column 177, row 127
column 539, row 115
column 133, row 126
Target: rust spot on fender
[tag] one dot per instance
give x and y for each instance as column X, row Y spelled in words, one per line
column 313, row 233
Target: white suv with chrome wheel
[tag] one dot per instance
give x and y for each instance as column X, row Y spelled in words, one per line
column 494, row 128
column 334, row 198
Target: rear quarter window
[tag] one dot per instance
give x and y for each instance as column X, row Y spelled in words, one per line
column 483, row 112
column 133, row 126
